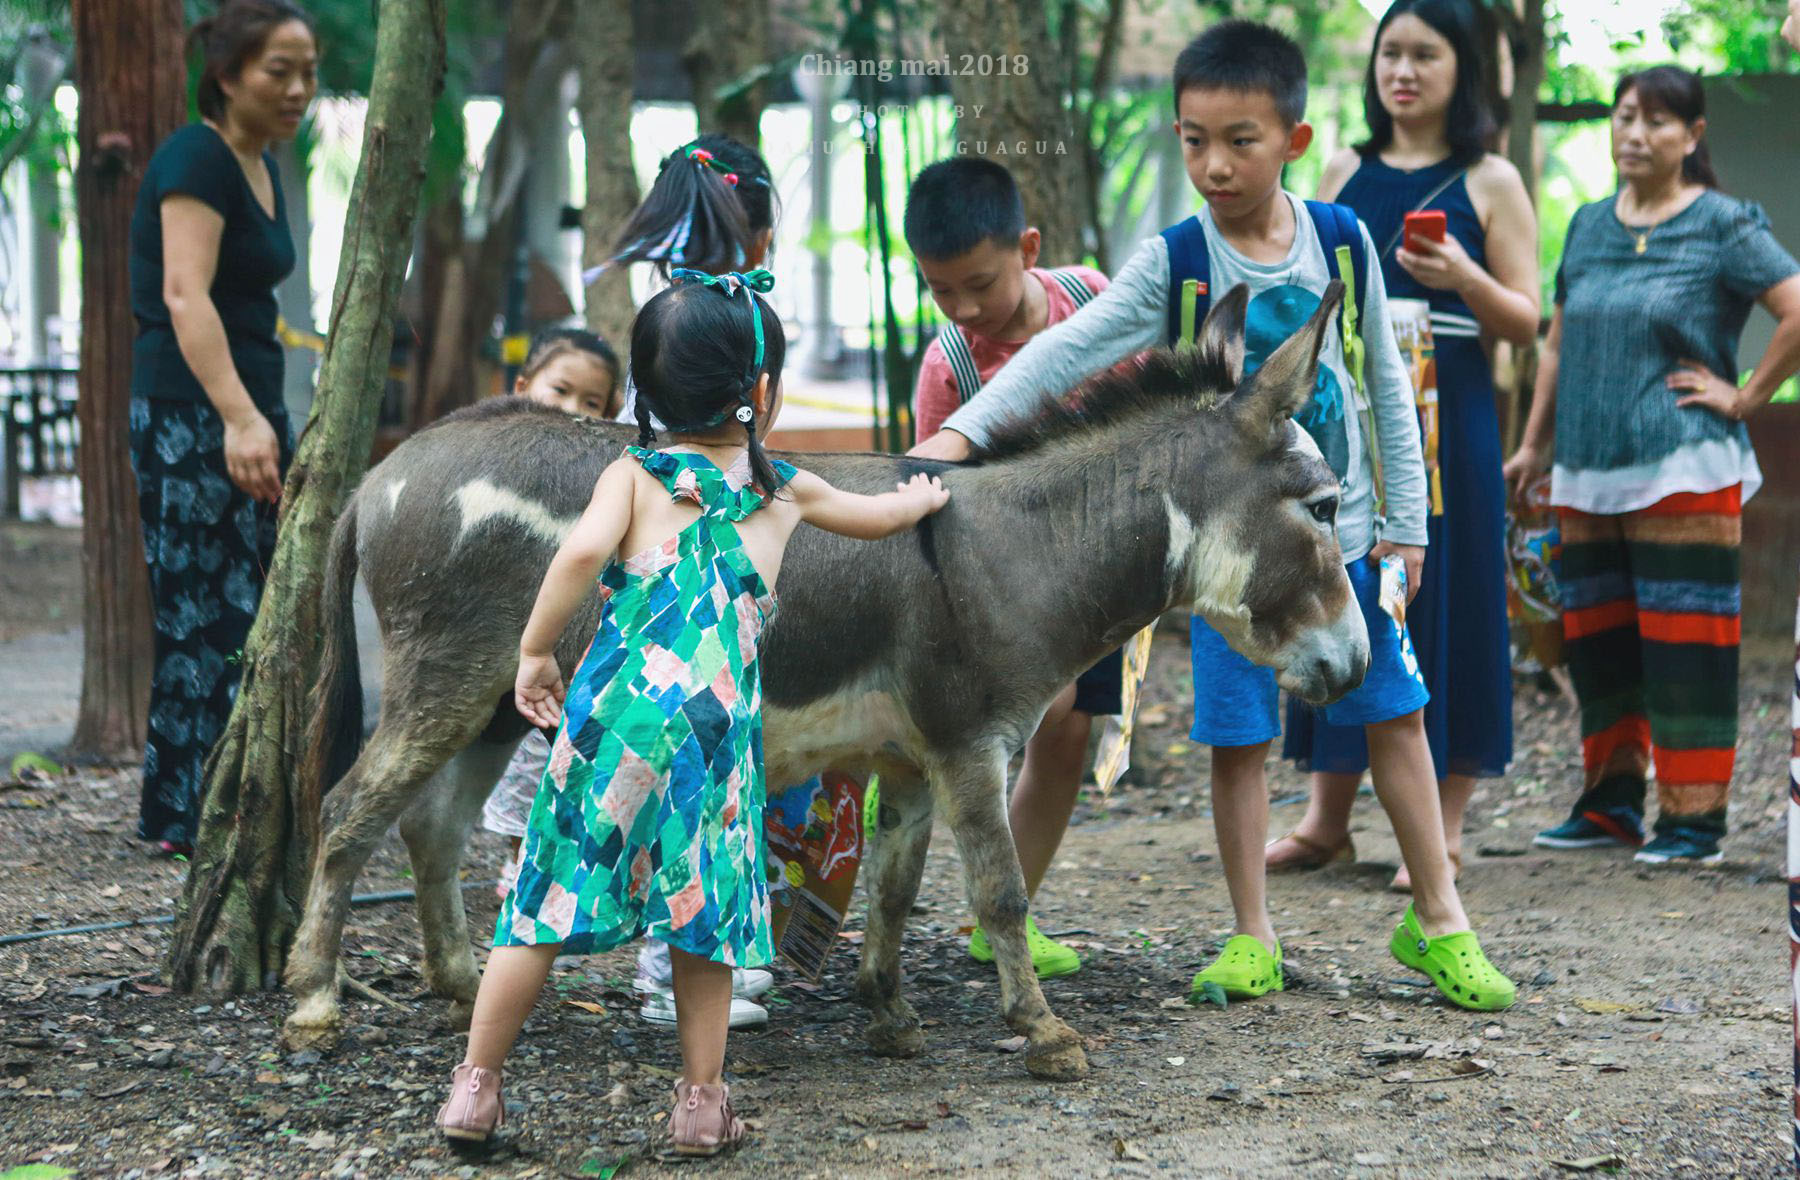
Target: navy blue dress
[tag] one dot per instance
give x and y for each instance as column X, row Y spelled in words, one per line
column 1458, row 620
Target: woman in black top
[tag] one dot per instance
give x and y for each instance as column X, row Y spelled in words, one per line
column 210, row 440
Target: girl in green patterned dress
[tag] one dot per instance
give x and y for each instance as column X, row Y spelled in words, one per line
column 649, row 816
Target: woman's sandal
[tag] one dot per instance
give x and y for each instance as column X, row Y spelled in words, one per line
column 1307, row 853
column 1455, row 963
column 474, row 1107
column 703, row 1122
column 1402, row 882
column 1245, row 968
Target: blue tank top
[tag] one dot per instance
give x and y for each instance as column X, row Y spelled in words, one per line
column 1383, row 195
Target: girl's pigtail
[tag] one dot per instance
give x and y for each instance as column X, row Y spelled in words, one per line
column 646, row 435
column 761, row 470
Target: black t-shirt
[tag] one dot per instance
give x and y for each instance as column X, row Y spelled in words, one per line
column 255, row 253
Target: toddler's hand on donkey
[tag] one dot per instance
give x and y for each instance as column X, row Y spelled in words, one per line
column 538, row 690
column 925, row 492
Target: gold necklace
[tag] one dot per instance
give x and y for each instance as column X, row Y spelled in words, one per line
column 1643, row 238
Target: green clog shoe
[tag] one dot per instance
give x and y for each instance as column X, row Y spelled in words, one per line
column 1245, row 969
column 1455, row 963
column 1049, row 957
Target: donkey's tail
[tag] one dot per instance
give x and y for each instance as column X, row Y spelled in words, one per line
column 334, row 735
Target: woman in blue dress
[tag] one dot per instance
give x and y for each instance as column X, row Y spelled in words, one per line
column 1428, row 130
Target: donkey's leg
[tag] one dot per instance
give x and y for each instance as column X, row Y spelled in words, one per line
column 971, row 790
column 384, row 779
column 436, row 828
column 896, row 864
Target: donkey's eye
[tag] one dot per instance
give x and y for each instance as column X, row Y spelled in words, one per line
column 1324, row 511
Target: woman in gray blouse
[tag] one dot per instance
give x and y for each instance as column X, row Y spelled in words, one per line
column 1640, row 411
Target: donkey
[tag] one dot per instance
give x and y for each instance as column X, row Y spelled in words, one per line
column 928, row 657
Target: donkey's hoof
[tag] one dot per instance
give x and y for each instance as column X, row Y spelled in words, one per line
column 1059, row 1058
column 313, row 1025
column 461, row 1013
column 891, row 1037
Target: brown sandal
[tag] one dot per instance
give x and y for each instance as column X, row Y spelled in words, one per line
column 1312, row 854
column 703, row 1122
column 1402, row 882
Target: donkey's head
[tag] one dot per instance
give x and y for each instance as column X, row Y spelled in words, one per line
column 1252, row 523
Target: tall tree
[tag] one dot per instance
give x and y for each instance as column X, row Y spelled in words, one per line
column 532, row 60
column 1007, row 85
column 727, row 62
column 251, row 861
column 603, row 41
column 129, row 58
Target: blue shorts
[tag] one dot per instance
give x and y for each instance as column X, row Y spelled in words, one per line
column 1236, row 702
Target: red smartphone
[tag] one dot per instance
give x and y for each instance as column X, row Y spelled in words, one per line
column 1427, row 223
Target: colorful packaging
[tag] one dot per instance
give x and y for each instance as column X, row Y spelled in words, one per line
column 814, row 835
column 1112, row 758
column 1533, row 554
column 1418, row 352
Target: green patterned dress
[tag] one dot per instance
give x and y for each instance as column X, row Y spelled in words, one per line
column 649, row 817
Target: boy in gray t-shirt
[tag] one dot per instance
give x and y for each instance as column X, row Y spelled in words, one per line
column 1240, row 92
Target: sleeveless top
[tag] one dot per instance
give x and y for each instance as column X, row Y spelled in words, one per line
column 1383, row 195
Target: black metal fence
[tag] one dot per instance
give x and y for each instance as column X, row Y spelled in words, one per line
column 37, row 415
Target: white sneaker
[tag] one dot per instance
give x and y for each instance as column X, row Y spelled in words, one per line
column 746, row 983
column 659, row 1008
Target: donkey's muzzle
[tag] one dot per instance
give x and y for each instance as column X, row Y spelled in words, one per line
column 1329, row 662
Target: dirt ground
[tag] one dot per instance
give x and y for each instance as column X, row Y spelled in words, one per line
column 1650, row 1033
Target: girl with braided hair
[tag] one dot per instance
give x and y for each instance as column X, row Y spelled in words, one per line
column 649, row 816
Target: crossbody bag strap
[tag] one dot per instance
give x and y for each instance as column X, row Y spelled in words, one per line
column 1424, row 203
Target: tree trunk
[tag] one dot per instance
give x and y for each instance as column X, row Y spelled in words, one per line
column 455, row 377
column 1528, row 76
column 133, row 94
column 252, row 858
column 603, row 42
column 730, row 39
column 1014, row 113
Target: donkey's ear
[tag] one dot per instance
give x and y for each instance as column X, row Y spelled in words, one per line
column 1222, row 335
column 1284, row 382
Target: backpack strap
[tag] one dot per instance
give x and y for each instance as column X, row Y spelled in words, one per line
column 962, row 361
column 1190, row 273
column 1069, row 281
column 1341, row 240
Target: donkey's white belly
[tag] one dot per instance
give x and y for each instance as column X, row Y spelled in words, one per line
column 847, row 730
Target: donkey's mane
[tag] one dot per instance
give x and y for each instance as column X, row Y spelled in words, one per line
column 1196, row 378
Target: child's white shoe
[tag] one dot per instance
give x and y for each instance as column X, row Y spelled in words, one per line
column 659, row 1008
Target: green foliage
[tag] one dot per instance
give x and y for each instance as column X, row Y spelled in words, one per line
column 36, row 1172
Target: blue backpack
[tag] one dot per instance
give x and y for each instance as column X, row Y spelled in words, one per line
column 1341, row 239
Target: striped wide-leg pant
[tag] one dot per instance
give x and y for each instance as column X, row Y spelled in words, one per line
column 1651, row 624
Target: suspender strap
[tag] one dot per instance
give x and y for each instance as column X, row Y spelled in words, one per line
column 962, row 361
column 1069, row 281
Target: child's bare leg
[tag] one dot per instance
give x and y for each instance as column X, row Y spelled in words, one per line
column 1043, row 798
column 1453, row 795
column 509, row 987
column 1240, row 796
column 1406, row 784
column 702, row 1015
